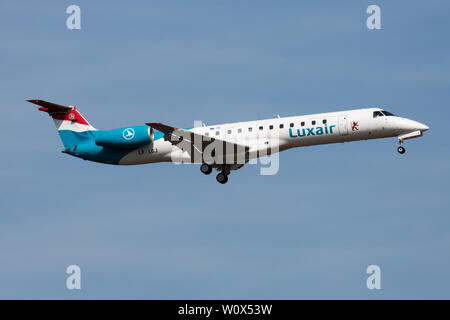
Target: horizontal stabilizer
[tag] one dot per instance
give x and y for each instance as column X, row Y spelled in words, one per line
column 50, row 107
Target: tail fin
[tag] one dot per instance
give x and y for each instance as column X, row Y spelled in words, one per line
column 73, row 128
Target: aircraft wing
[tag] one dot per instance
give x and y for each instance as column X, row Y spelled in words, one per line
column 195, row 142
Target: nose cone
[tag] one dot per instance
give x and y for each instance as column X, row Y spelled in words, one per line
column 419, row 126
column 411, row 125
column 422, row 127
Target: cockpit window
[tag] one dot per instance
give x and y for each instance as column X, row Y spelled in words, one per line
column 377, row 114
column 389, row 114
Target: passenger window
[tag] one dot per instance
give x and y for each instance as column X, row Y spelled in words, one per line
column 377, row 114
column 313, row 122
column 250, row 129
column 302, row 124
column 324, row 121
column 291, row 125
column 281, row 126
column 271, row 127
column 261, row 127
column 239, row 130
column 217, row 133
column 229, row 131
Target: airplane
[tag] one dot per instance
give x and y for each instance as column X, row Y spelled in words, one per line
column 224, row 147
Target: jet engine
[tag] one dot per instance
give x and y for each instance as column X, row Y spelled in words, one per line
column 125, row 138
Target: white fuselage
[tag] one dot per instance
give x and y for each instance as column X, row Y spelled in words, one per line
column 280, row 134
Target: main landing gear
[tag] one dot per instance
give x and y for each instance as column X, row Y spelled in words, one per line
column 205, row 168
column 222, row 176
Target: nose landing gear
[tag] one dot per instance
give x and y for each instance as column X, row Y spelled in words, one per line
column 401, row 149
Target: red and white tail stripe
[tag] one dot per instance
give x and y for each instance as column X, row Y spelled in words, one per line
column 71, row 120
column 65, row 117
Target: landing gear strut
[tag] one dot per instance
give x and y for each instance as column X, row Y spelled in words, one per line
column 400, row 148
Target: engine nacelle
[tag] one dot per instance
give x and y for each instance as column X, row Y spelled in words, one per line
column 125, row 138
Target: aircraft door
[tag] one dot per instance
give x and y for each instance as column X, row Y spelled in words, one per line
column 343, row 125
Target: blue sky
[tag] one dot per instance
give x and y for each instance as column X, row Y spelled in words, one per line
column 163, row 231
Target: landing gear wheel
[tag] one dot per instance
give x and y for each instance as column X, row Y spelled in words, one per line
column 206, row 168
column 401, row 150
column 222, row 178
